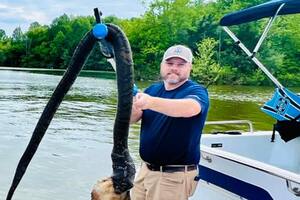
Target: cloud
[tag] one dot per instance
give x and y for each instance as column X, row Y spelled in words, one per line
column 12, row 16
column 21, row 14
column 24, row 12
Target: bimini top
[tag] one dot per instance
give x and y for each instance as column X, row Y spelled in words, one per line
column 261, row 11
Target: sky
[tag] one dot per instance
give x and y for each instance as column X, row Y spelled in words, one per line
column 15, row 13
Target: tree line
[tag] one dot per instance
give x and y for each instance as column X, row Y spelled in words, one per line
column 166, row 22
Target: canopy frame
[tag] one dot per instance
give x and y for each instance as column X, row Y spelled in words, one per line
column 252, row 54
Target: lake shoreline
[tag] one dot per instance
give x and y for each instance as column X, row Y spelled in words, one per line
column 84, row 73
column 47, row 69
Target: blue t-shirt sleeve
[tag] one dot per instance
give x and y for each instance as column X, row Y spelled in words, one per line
column 199, row 94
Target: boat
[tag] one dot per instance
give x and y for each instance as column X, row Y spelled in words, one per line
column 255, row 165
column 248, row 166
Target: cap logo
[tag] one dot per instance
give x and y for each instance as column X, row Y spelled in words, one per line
column 178, row 50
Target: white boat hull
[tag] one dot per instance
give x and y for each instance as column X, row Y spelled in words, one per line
column 248, row 167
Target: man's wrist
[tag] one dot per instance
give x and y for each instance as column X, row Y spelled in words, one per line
column 151, row 102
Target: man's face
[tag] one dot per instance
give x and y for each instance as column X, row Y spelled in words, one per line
column 175, row 70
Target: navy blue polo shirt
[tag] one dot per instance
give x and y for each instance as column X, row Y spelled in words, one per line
column 168, row 140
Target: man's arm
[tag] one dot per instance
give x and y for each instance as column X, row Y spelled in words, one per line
column 171, row 107
column 136, row 113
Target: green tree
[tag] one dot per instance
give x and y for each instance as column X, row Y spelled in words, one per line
column 37, row 46
column 165, row 23
column 206, row 70
column 17, row 35
column 2, row 34
column 16, row 50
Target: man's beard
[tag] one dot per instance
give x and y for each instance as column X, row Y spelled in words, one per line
column 173, row 81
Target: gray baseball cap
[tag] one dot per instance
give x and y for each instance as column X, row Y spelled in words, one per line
column 179, row 51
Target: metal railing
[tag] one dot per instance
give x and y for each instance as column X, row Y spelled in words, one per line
column 248, row 122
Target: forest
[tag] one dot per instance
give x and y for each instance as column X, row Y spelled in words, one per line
column 194, row 23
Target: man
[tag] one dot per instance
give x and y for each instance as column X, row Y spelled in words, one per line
column 173, row 113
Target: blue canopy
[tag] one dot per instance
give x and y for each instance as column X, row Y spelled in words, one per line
column 261, row 11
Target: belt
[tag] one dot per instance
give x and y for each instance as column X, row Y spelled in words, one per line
column 171, row 168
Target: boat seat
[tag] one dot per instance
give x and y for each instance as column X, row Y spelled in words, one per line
column 285, row 155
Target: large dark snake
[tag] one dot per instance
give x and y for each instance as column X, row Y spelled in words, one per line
column 123, row 166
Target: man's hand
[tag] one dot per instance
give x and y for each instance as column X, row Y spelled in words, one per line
column 143, row 101
column 136, row 112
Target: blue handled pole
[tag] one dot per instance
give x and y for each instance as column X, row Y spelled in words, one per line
column 135, row 89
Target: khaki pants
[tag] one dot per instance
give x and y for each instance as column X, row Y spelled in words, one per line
column 156, row 185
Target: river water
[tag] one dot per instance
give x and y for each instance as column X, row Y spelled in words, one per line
column 75, row 151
